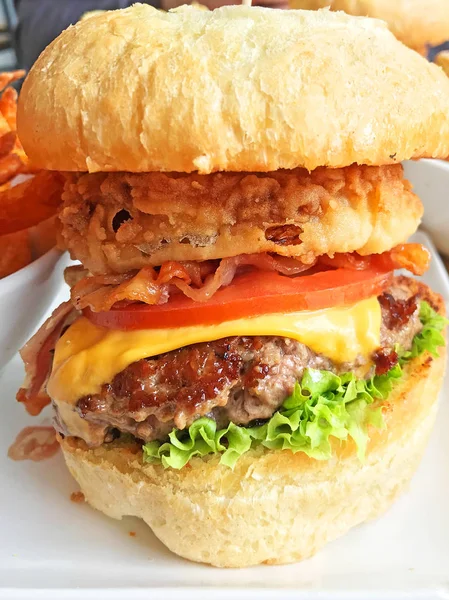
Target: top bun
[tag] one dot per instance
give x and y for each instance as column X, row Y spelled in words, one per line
column 414, row 22
column 442, row 59
column 236, row 89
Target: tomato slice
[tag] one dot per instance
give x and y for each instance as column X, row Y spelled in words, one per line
column 249, row 295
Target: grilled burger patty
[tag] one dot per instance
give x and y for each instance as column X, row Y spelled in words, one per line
column 238, row 379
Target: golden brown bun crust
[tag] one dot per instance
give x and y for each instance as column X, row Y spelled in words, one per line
column 414, row 22
column 197, row 217
column 274, row 507
column 235, row 89
column 442, row 60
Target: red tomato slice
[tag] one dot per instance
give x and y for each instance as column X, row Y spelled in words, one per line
column 249, row 295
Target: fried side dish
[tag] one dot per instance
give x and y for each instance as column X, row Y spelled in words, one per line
column 28, row 198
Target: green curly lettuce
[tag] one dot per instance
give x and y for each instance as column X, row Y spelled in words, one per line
column 430, row 337
column 322, row 406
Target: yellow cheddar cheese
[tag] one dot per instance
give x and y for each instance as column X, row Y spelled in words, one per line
column 87, row 356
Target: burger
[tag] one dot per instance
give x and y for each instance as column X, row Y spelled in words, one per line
column 238, row 364
column 442, row 60
column 417, row 24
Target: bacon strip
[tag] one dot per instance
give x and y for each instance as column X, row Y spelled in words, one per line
column 37, row 357
column 412, row 257
column 34, row 443
column 198, row 281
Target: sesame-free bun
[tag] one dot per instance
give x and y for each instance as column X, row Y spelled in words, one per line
column 442, row 60
column 275, row 506
column 415, row 22
column 235, row 89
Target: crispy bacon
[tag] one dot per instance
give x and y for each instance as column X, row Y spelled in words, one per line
column 74, row 274
column 37, row 357
column 34, row 443
column 413, row 257
column 228, row 267
column 77, row 497
column 33, row 402
column 200, row 281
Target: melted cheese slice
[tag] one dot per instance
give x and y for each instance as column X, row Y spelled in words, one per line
column 87, row 356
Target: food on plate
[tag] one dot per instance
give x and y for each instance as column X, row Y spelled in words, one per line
column 13, row 159
column 442, row 60
column 27, row 208
column 15, row 252
column 90, row 13
column 199, row 6
column 77, row 497
column 34, row 443
column 417, row 24
column 30, row 202
column 238, row 364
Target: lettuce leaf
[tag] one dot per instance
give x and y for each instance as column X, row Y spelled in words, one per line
column 322, row 406
column 430, row 337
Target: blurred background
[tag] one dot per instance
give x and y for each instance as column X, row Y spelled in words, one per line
column 8, row 22
column 27, row 26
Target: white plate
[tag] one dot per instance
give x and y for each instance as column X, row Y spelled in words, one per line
column 430, row 180
column 52, row 548
column 24, row 299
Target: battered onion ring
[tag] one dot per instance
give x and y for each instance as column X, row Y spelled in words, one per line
column 117, row 222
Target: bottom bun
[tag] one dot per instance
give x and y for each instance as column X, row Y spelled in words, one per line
column 275, row 506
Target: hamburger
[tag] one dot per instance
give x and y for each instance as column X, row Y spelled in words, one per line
column 442, row 60
column 238, row 363
column 417, row 24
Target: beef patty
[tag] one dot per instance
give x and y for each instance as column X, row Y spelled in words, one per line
column 238, row 379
